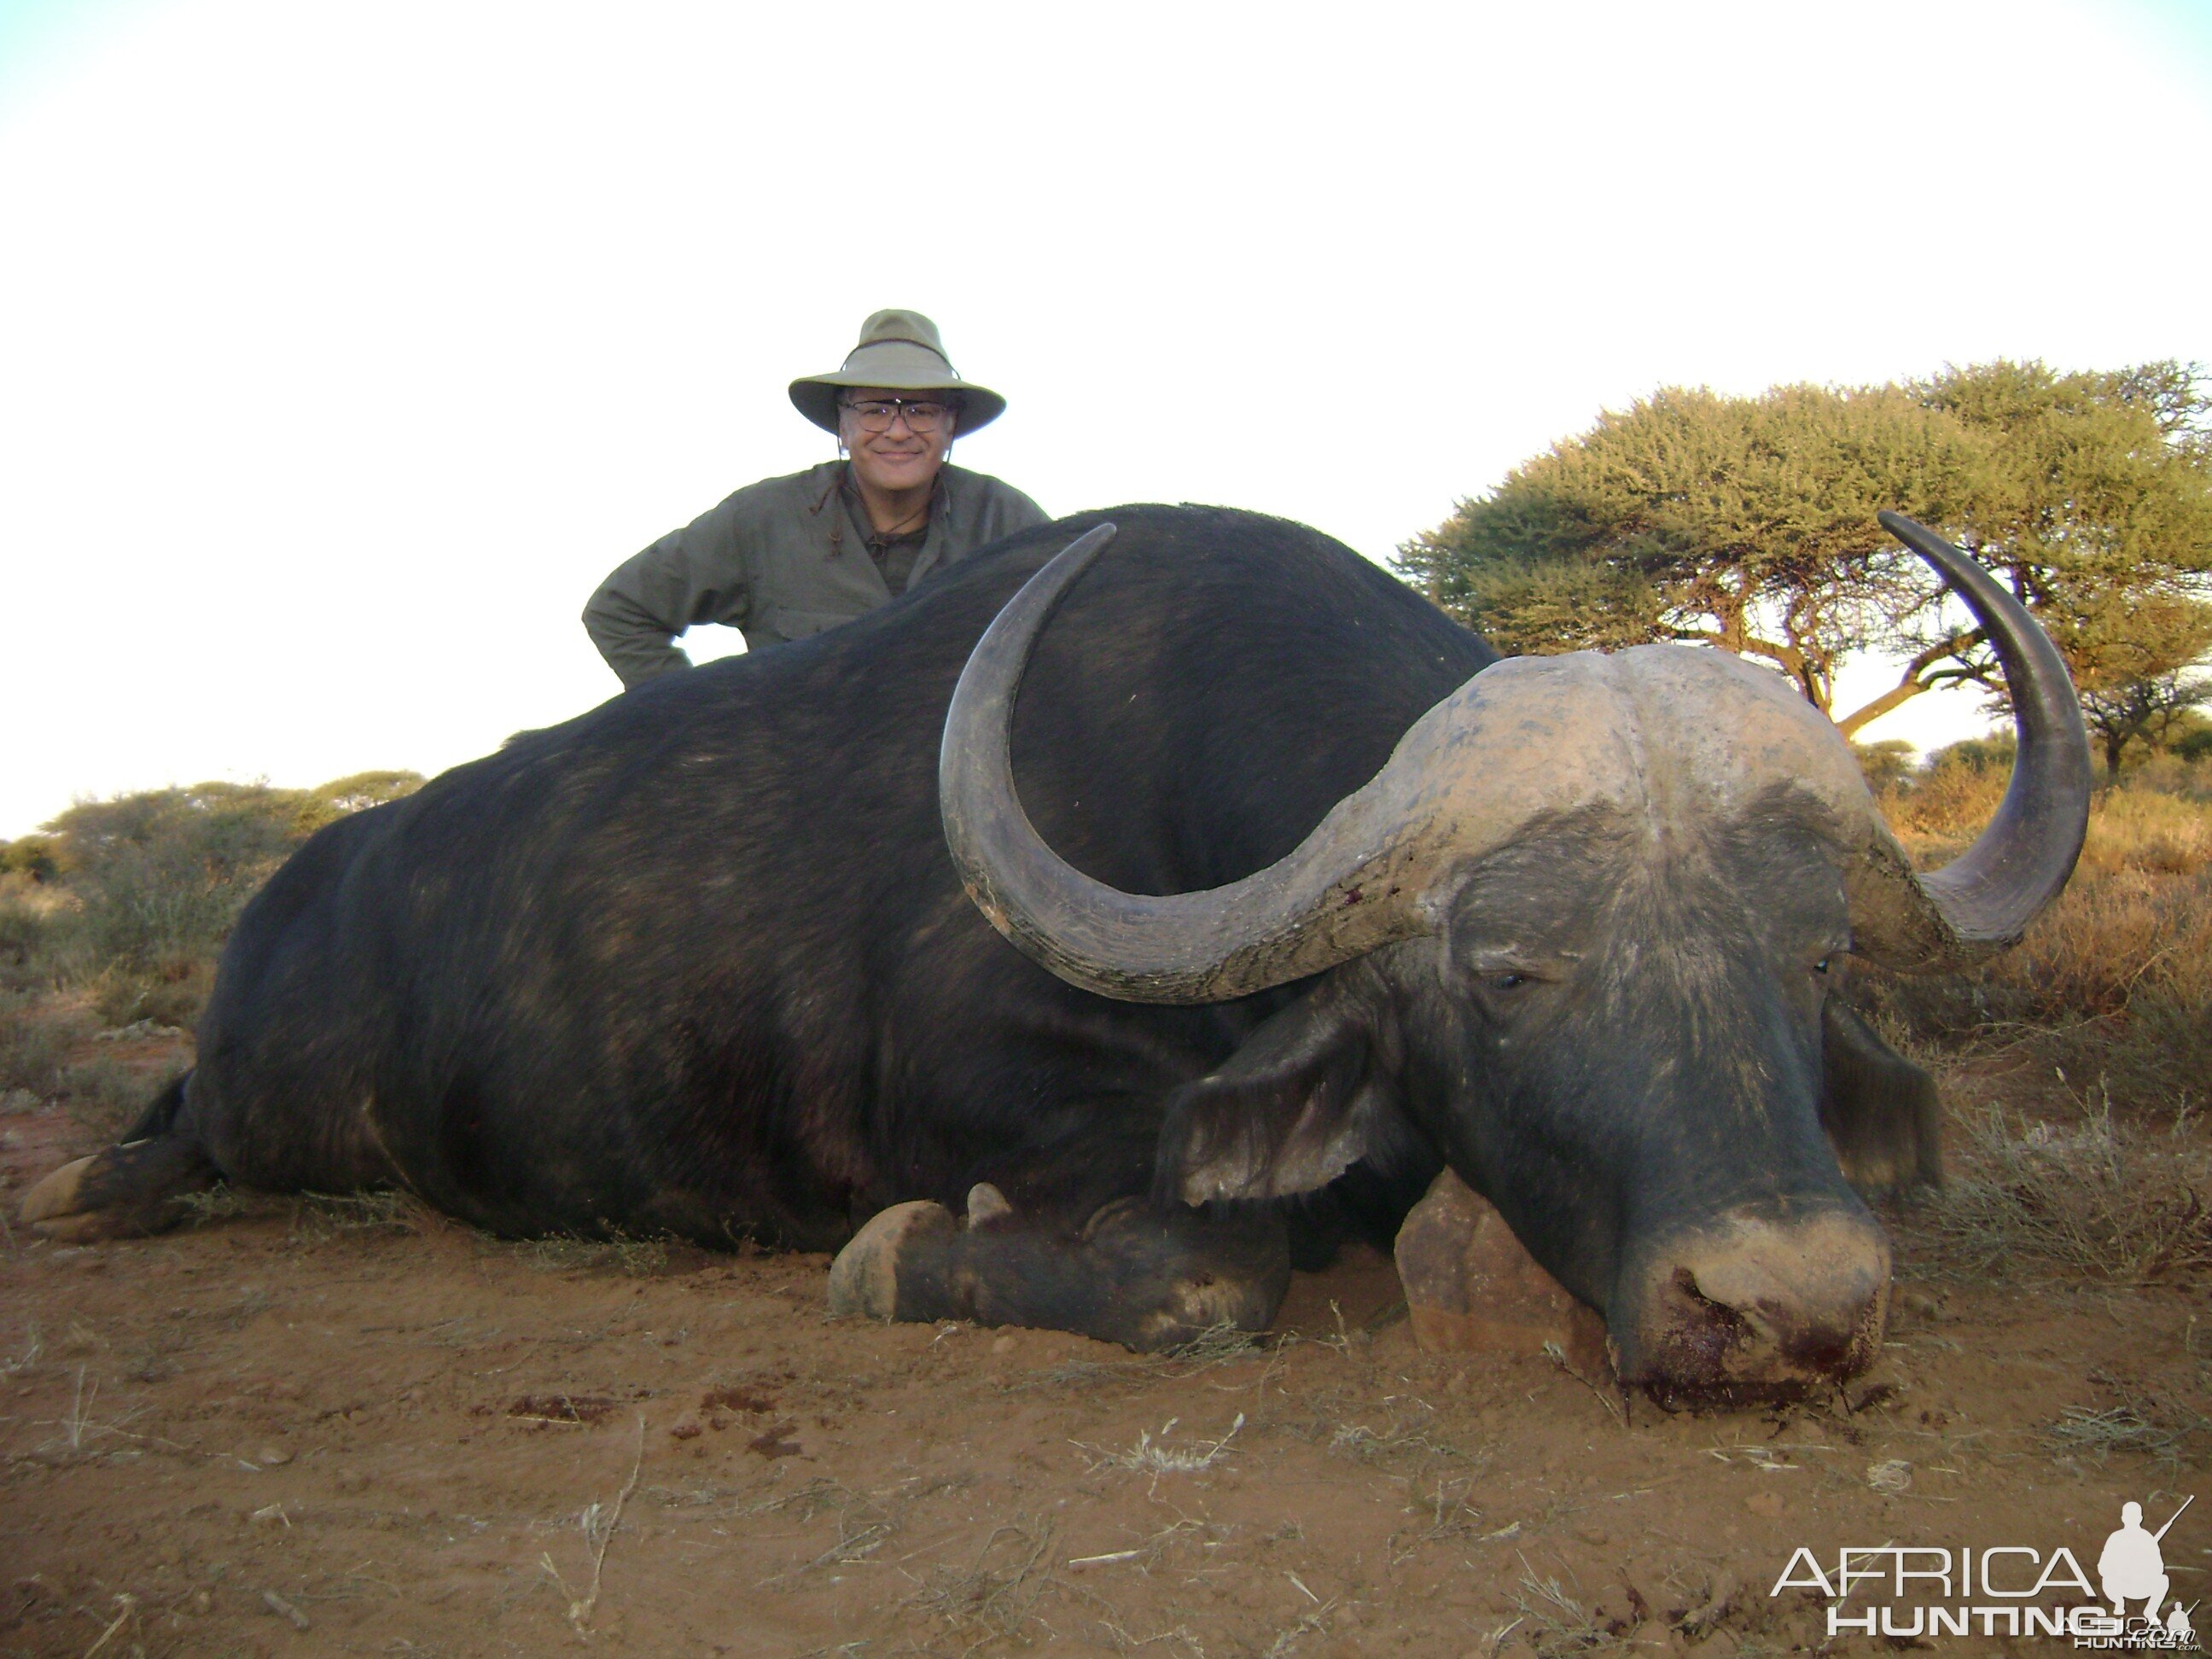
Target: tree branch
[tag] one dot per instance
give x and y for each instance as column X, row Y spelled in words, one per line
column 1909, row 685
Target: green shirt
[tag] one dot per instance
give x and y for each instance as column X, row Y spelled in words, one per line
column 779, row 560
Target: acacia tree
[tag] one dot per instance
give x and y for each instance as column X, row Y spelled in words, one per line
column 1748, row 523
column 2096, row 502
column 2153, row 709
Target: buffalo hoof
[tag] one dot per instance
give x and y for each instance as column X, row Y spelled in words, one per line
column 864, row 1278
column 58, row 1208
column 54, row 1197
column 130, row 1191
column 988, row 1206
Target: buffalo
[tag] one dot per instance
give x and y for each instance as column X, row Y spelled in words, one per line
column 1103, row 929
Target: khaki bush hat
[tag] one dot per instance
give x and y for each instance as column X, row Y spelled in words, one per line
column 899, row 351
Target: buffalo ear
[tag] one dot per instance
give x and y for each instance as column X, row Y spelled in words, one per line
column 1881, row 1112
column 1308, row 1095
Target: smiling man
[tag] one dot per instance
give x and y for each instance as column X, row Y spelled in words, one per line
column 790, row 556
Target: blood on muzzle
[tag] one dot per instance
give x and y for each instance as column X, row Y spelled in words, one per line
column 1753, row 1306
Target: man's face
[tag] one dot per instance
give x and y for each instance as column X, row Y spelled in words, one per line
column 899, row 458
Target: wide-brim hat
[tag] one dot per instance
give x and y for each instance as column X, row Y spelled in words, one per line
column 899, row 351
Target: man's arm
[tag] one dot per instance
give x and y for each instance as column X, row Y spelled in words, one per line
column 694, row 574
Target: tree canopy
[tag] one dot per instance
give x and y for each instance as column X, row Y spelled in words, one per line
column 1748, row 523
column 227, row 825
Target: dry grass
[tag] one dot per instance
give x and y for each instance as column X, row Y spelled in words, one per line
column 2115, row 981
column 1217, row 1344
column 217, row 1203
column 2164, row 1434
column 1555, row 1622
column 1211, row 1349
column 1153, row 1457
column 1400, row 1434
column 322, row 1217
column 598, row 1522
column 619, row 1253
column 991, row 1596
column 2100, row 1196
column 39, row 1034
column 2138, row 827
column 1446, row 1513
column 957, row 1606
column 1552, row 1621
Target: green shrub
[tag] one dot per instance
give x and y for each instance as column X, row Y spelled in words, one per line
column 26, row 933
column 163, row 875
column 360, row 791
column 149, row 907
column 1886, row 764
column 131, row 897
column 173, row 996
column 1993, row 752
column 34, row 858
column 104, row 1094
column 33, row 1049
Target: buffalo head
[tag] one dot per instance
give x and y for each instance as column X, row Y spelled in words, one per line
column 1579, row 937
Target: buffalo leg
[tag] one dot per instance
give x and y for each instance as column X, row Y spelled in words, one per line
column 1145, row 1277
column 127, row 1191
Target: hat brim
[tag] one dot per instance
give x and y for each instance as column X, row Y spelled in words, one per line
column 816, row 398
column 896, row 366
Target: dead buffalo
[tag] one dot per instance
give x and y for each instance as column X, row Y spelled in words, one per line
column 1331, row 897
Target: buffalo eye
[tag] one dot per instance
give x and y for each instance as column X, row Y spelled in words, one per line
column 1506, row 981
column 1822, row 966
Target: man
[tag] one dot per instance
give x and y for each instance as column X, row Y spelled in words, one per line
column 790, row 556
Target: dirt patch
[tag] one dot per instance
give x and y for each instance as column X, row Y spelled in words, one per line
column 292, row 1431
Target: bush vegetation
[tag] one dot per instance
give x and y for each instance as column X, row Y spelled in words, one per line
column 2113, row 983
column 122, row 905
column 1749, row 524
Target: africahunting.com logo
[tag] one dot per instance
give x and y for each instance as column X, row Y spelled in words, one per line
column 1907, row 1590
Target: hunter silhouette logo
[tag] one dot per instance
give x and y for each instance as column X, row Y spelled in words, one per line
column 2134, row 1567
column 2006, row 1590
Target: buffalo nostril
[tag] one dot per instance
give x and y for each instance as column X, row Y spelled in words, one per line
column 1752, row 1308
column 1704, row 1334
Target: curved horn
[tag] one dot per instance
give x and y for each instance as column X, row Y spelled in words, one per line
column 1982, row 900
column 1345, row 891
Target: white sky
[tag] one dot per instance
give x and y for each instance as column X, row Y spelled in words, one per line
column 344, row 348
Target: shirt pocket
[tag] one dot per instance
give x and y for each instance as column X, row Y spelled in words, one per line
column 792, row 624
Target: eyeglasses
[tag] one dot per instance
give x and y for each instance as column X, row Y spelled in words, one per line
column 877, row 416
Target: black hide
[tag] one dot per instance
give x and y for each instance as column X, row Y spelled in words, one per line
column 697, row 961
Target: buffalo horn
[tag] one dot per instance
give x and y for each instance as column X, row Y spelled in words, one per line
column 1341, row 893
column 1982, row 900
